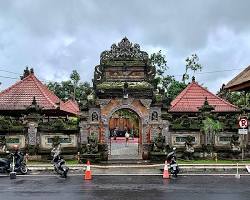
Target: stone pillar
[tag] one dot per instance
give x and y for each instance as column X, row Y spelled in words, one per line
column 32, row 137
column 165, row 131
column 32, row 133
column 83, row 132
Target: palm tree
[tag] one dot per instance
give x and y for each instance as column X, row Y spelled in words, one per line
column 210, row 127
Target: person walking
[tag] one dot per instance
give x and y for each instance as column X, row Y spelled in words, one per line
column 126, row 138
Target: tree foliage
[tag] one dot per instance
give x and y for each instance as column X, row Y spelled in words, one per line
column 211, row 127
column 166, row 84
column 192, row 63
column 75, row 78
column 240, row 99
column 71, row 89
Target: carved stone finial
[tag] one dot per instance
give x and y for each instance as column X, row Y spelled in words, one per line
column 27, row 72
column 206, row 107
column 34, row 107
column 34, row 101
column 124, row 50
column 193, row 79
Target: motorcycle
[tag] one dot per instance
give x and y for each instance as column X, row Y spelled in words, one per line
column 171, row 159
column 6, row 164
column 59, row 163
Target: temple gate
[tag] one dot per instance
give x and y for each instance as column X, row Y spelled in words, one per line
column 123, row 80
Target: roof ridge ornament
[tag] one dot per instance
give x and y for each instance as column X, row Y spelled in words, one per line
column 124, row 50
column 206, row 107
column 27, row 72
column 193, row 79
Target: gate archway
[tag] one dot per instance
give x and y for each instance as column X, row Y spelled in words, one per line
column 121, row 122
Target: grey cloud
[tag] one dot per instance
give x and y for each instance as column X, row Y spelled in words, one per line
column 60, row 35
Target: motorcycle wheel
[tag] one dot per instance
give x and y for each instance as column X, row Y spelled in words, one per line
column 64, row 174
column 23, row 169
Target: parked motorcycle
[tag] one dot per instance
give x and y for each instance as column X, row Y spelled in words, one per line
column 171, row 159
column 6, row 164
column 59, row 163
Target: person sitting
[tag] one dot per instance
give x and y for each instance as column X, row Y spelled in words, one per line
column 17, row 155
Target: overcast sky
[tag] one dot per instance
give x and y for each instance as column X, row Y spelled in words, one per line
column 56, row 36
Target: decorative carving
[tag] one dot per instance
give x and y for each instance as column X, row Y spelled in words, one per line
column 146, row 102
column 235, row 143
column 56, row 142
column 2, row 144
column 125, row 50
column 154, row 116
column 27, row 72
column 127, row 101
column 104, row 102
column 125, row 90
column 189, row 144
column 92, row 146
column 159, row 143
column 32, row 133
column 95, row 116
column 98, row 74
column 206, row 107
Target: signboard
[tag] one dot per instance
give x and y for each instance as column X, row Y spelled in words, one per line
column 243, row 123
column 243, row 131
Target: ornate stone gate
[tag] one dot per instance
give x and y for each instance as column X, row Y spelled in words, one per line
column 123, row 80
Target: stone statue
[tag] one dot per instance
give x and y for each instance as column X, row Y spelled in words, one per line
column 189, row 149
column 189, row 144
column 235, row 143
column 125, row 90
column 154, row 116
column 94, row 116
column 92, row 146
column 2, row 144
column 159, row 143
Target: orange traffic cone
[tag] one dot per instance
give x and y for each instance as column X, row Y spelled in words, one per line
column 88, row 174
column 165, row 172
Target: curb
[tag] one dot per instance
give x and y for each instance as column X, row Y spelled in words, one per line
column 55, row 175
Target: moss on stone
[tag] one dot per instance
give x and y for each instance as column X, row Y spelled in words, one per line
column 119, row 85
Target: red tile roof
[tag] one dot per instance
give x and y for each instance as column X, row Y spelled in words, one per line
column 193, row 97
column 20, row 95
column 73, row 106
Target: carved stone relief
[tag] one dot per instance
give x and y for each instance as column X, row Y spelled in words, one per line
column 32, row 133
column 124, row 50
column 146, row 102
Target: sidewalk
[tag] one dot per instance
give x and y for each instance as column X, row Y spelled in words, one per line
column 146, row 169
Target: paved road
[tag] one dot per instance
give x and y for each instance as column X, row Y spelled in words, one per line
column 125, row 187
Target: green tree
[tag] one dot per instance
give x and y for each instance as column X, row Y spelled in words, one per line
column 168, row 86
column 72, row 88
column 210, row 127
column 75, row 78
column 162, row 80
column 175, row 88
column 240, row 99
column 159, row 61
column 192, row 63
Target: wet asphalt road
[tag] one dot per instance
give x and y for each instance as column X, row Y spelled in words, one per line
column 125, row 187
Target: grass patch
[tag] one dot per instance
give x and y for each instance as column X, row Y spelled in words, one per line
column 212, row 161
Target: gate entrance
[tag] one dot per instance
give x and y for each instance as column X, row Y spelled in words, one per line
column 124, row 100
column 125, row 134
